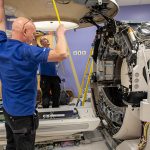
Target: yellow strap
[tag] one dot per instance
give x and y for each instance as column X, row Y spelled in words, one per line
column 84, row 75
column 74, row 71
column 56, row 10
column 70, row 58
column 87, row 84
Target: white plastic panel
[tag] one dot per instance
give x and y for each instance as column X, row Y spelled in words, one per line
column 131, row 127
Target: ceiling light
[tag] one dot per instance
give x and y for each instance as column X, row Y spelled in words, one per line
column 63, row 1
column 53, row 25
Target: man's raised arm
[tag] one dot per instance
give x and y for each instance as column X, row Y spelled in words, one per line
column 2, row 16
column 60, row 51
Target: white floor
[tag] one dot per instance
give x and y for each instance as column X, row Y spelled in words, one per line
column 93, row 146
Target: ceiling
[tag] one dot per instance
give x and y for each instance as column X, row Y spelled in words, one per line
column 42, row 10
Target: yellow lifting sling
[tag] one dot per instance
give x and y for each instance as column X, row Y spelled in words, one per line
column 84, row 76
column 89, row 65
column 70, row 57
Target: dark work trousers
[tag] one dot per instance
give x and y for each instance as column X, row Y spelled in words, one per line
column 50, row 87
column 20, row 131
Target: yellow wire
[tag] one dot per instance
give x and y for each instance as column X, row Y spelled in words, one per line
column 56, row 10
column 143, row 141
column 70, row 58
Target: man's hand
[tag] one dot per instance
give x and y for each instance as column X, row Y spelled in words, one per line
column 60, row 52
column 2, row 16
column 61, row 30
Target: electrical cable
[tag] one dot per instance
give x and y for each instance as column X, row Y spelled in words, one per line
column 143, row 140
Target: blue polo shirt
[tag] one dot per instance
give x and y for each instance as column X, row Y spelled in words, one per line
column 48, row 69
column 18, row 68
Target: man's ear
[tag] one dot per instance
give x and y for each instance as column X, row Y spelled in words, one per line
column 25, row 31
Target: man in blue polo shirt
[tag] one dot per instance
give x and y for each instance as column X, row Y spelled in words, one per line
column 18, row 67
column 49, row 80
